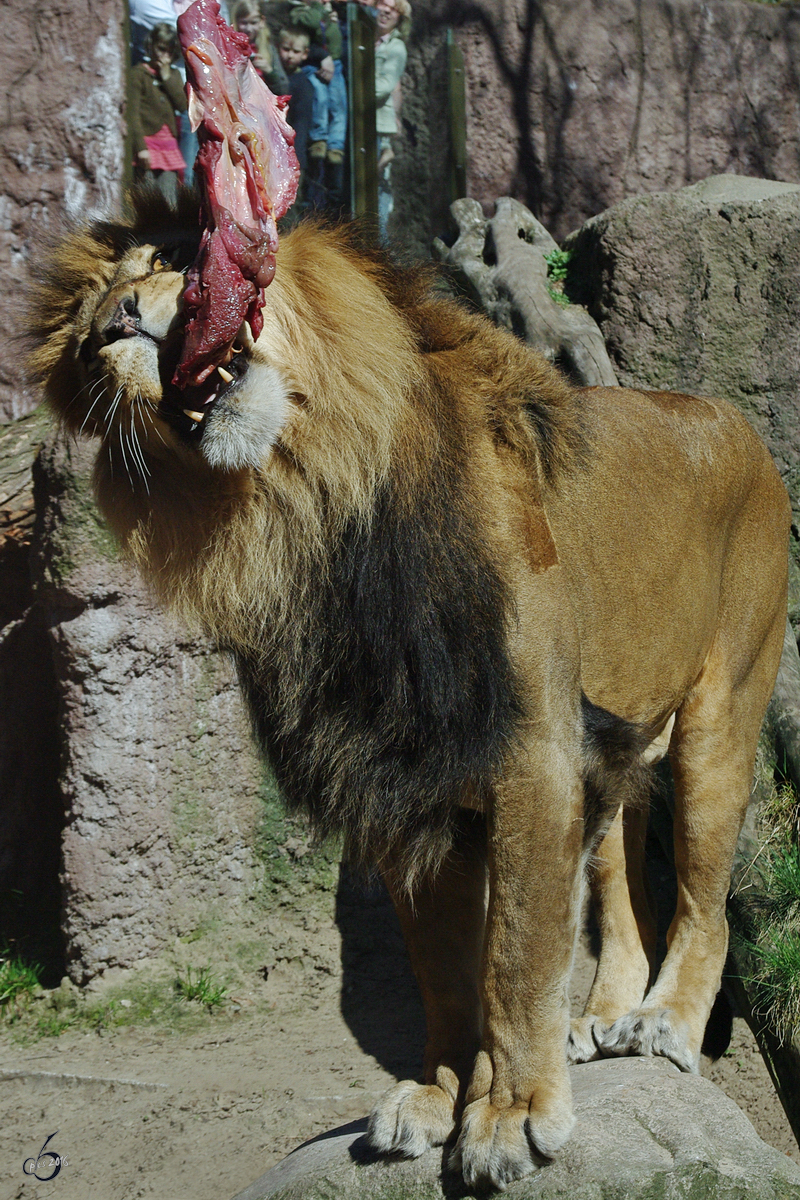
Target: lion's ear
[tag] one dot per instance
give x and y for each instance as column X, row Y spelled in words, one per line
column 541, row 546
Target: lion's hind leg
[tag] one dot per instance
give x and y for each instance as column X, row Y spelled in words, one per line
column 712, row 754
column 411, row 1117
column 618, row 758
column 443, row 924
column 626, row 923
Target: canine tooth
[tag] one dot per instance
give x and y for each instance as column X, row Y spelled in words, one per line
column 226, row 375
column 194, row 416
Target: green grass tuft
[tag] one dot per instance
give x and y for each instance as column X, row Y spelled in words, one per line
column 783, row 885
column 780, row 813
column 557, row 268
column 18, row 981
column 770, row 934
column 201, row 986
column 776, row 981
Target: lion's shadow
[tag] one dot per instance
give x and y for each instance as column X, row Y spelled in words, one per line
column 380, row 1000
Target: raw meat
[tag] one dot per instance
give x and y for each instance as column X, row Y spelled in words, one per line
column 248, row 173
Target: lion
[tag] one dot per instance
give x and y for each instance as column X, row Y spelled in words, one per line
column 469, row 604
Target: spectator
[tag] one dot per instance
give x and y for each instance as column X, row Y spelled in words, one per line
column 156, row 95
column 392, row 27
column 329, row 125
column 247, row 18
column 291, row 14
column 144, row 16
column 293, row 47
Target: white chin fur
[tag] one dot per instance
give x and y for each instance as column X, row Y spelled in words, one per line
column 241, row 431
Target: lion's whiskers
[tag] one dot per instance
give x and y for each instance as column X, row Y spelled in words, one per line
column 136, row 444
column 111, row 410
column 110, row 413
column 122, row 440
column 101, row 382
column 90, row 383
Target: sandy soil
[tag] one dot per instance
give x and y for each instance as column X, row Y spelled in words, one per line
column 202, row 1109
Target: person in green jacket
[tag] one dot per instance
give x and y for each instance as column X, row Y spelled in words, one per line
column 325, row 72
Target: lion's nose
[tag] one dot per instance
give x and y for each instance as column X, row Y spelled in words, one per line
column 124, row 322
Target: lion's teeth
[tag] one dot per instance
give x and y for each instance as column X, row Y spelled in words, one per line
column 193, row 416
column 226, row 375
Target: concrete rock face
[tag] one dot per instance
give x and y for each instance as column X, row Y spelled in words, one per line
column 698, row 291
column 644, row 1131
column 158, row 776
column 62, row 146
column 572, row 107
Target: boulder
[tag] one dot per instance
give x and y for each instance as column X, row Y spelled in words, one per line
column 644, row 1131
column 698, row 291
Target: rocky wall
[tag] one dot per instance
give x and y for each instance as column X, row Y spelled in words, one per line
column 572, row 107
column 31, row 813
column 61, row 151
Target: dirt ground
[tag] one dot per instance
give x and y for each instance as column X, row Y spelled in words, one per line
column 200, row 1107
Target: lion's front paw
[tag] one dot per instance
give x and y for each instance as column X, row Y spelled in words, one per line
column 497, row 1146
column 583, row 1040
column 650, row 1031
column 412, row 1117
column 493, row 1147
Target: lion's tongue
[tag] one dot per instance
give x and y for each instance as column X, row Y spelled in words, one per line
column 248, row 173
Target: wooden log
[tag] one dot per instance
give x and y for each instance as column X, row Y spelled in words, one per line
column 500, row 263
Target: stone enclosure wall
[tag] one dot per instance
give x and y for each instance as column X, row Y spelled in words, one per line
column 125, row 755
column 572, row 107
column 63, row 83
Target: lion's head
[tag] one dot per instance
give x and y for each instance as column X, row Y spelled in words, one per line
column 110, row 308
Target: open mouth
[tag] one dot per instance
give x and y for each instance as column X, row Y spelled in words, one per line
column 187, row 409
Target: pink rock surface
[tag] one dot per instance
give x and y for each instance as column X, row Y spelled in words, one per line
column 62, row 149
column 573, row 107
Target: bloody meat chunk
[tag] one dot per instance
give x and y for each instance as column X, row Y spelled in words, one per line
column 248, row 173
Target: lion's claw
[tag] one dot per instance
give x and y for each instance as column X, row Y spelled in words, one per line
column 583, row 1042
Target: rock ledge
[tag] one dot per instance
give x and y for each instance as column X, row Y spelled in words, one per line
column 644, row 1132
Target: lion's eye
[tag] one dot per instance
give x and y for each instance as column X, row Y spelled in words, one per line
column 161, row 262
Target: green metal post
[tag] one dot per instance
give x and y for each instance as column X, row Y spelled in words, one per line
column 361, row 105
column 456, row 120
